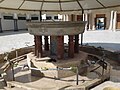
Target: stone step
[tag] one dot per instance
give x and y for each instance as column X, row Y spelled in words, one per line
column 14, row 88
column 22, row 86
column 2, row 83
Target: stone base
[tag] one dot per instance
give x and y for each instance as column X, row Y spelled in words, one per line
column 50, row 69
column 2, row 83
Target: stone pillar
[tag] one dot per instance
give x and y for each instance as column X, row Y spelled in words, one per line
column 89, row 27
column 76, row 46
column 111, row 20
column 0, row 24
column 15, row 22
column 83, row 17
column 71, row 46
column 28, row 17
column 86, row 19
column 60, row 47
column 53, row 45
column 114, row 21
column 46, row 43
column 35, row 45
column 38, row 46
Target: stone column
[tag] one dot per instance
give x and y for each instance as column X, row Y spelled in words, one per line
column 111, row 20
column 89, row 27
column 86, row 19
column 0, row 26
column 53, row 45
column 35, row 45
column 60, row 47
column 0, row 23
column 15, row 22
column 114, row 21
column 28, row 17
column 71, row 46
column 76, row 46
column 83, row 17
column 46, row 43
column 38, row 46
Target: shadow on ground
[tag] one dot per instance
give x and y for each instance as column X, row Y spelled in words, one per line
column 13, row 32
column 107, row 46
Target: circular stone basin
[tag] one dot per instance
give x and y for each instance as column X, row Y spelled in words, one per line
column 56, row 28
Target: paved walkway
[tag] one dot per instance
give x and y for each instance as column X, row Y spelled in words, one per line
column 13, row 40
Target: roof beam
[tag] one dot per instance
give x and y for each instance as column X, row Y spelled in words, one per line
column 60, row 5
column 21, row 4
column 41, row 5
column 80, row 5
column 101, row 4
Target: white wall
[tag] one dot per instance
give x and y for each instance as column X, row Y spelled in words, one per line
column 22, row 24
column 7, row 24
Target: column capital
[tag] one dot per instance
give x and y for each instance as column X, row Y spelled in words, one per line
column 15, row 16
column 28, row 17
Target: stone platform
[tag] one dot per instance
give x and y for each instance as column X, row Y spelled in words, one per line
column 41, row 66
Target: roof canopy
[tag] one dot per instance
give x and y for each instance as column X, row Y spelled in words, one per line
column 57, row 5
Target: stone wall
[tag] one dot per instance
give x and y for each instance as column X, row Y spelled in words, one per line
column 20, row 52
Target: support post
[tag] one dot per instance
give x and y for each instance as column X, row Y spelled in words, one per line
column 0, row 26
column 28, row 17
column 15, row 25
column 77, row 75
column 114, row 21
column 111, row 20
column 39, row 46
column 15, row 22
column 46, row 43
column 60, row 47
column 76, row 47
column 82, row 33
column 71, row 47
column 35, row 45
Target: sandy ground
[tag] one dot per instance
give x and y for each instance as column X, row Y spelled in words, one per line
column 13, row 40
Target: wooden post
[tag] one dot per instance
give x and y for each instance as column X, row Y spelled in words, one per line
column 60, row 47
column 71, row 47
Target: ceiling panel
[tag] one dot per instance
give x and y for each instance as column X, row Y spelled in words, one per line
column 54, row 4
column 11, row 3
column 70, row 6
column 31, row 5
column 110, row 2
column 88, row 4
column 51, row 6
